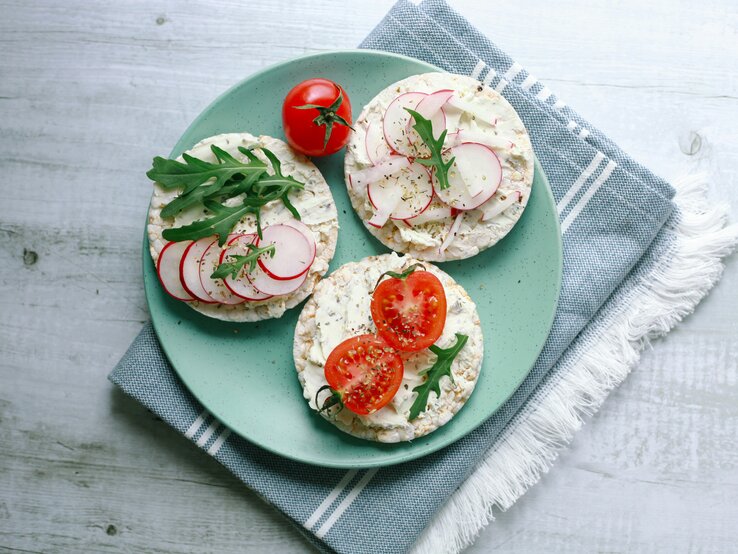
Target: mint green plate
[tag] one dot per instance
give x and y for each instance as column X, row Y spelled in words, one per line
column 244, row 373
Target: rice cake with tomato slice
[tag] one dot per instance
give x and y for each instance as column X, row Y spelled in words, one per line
column 315, row 205
column 473, row 114
column 340, row 309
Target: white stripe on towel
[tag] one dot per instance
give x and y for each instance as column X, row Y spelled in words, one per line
column 501, row 85
column 576, row 187
column 513, row 71
column 571, row 125
column 337, row 490
column 544, row 94
column 205, row 437
column 530, row 80
column 587, row 196
column 477, row 71
column 345, row 503
column 215, row 447
column 559, row 104
column 195, row 427
column 584, row 133
column 488, row 78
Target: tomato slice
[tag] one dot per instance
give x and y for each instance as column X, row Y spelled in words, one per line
column 365, row 372
column 409, row 310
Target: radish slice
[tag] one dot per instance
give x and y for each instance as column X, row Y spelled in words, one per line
column 429, row 107
column 241, row 286
column 189, row 269
column 451, row 233
column 275, row 287
column 433, row 213
column 293, row 253
column 388, row 201
column 390, row 166
column 396, row 119
column 305, row 230
column 167, row 267
column 376, row 147
column 473, row 181
column 215, row 288
column 415, row 192
column 432, row 103
column 473, row 178
column 493, row 208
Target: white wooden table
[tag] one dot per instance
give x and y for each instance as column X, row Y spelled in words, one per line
column 89, row 92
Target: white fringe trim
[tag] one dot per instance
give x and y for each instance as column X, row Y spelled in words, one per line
column 533, row 439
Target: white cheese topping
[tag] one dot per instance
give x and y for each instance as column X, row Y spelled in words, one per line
column 482, row 115
column 340, row 309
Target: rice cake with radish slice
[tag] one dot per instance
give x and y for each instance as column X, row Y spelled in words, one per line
column 315, row 205
column 475, row 116
column 340, row 308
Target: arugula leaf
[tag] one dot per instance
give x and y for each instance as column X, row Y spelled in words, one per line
column 231, row 189
column 194, row 172
column 232, row 178
column 424, row 128
column 233, row 268
column 236, row 185
column 221, row 223
column 285, row 182
column 441, row 367
column 184, row 201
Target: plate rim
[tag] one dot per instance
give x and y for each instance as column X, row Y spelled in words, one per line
column 274, row 66
column 305, row 458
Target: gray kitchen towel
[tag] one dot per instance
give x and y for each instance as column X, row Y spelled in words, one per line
column 611, row 209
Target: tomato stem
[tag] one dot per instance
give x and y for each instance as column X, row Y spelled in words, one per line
column 327, row 115
column 396, row 275
column 330, row 401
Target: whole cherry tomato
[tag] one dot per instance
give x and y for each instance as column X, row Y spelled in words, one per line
column 316, row 116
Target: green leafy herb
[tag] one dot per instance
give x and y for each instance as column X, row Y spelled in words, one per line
column 184, row 201
column 251, row 180
column 327, row 115
column 194, row 172
column 234, row 187
column 278, row 182
column 221, row 223
column 233, row 268
column 442, row 366
column 424, row 128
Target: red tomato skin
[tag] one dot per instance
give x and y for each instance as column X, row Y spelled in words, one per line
column 366, row 372
column 410, row 313
column 302, row 134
